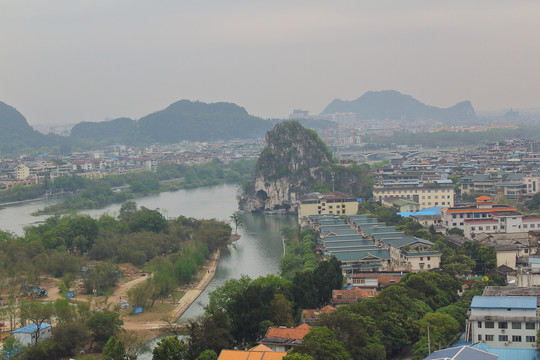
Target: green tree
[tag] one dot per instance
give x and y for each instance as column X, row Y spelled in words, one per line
column 208, row 355
column 103, row 325
column 170, row 348
column 297, row 356
column 222, row 297
column 69, row 338
column 210, row 332
column 321, row 343
column 456, row 231
column 114, row 350
column 282, row 311
column 236, row 219
column 11, row 349
column 127, row 210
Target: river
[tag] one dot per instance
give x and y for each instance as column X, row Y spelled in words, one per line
column 258, row 252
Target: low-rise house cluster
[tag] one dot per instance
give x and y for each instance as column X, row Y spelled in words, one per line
column 363, row 244
column 121, row 159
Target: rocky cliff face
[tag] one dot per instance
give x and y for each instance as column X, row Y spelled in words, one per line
column 292, row 161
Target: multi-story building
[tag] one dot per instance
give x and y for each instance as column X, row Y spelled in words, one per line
column 437, row 193
column 504, row 321
column 482, row 209
column 336, row 203
column 485, row 217
column 22, row 172
column 498, row 183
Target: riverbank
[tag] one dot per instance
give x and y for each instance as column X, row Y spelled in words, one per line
column 155, row 322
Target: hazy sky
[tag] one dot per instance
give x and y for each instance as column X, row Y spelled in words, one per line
column 66, row 61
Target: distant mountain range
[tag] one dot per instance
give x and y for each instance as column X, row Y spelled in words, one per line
column 17, row 135
column 183, row 120
column 198, row 121
column 391, row 104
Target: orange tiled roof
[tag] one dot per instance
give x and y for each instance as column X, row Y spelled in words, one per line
column 314, row 313
column 259, row 352
column 296, row 333
column 353, row 294
column 483, row 198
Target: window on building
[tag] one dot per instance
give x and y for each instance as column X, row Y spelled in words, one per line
column 479, row 324
column 503, row 325
column 421, row 258
column 516, row 338
column 479, row 337
column 489, row 337
column 480, row 228
column 503, row 337
column 487, row 227
column 422, row 265
column 429, row 258
column 429, row 266
column 473, row 228
column 516, row 325
column 530, row 339
column 530, row 326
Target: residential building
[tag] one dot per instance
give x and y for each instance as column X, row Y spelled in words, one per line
column 336, row 203
column 311, row 316
column 465, row 352
column 22, row 172
column 31, row 334
column 504, row 321
column 259, row 352
column 482, row 209
column 282, row 339
column 351, row 296
column 437, row 193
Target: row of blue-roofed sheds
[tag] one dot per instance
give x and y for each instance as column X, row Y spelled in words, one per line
column 364, row 245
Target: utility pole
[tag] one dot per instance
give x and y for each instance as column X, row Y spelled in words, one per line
column 428, row 346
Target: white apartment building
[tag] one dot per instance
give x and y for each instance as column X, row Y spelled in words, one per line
column 504, row 321
column 438, row 193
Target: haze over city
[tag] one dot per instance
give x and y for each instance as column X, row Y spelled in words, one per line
column 66, row 62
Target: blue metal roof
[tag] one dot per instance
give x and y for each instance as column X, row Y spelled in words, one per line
column 504, row 302
column 461, row 353
column 30, row 329
column 435, row 210
column 505, row 353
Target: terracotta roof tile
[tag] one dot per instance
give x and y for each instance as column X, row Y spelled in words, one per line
column 259, row 352
column 347, row 296
column 296, row 333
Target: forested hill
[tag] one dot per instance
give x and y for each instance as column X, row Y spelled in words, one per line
column 294, row 162
column 117, row 131
column 391, row 104
column 17, row 135
column 183, row 120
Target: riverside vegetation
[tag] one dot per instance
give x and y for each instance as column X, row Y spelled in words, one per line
column 172, row 250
